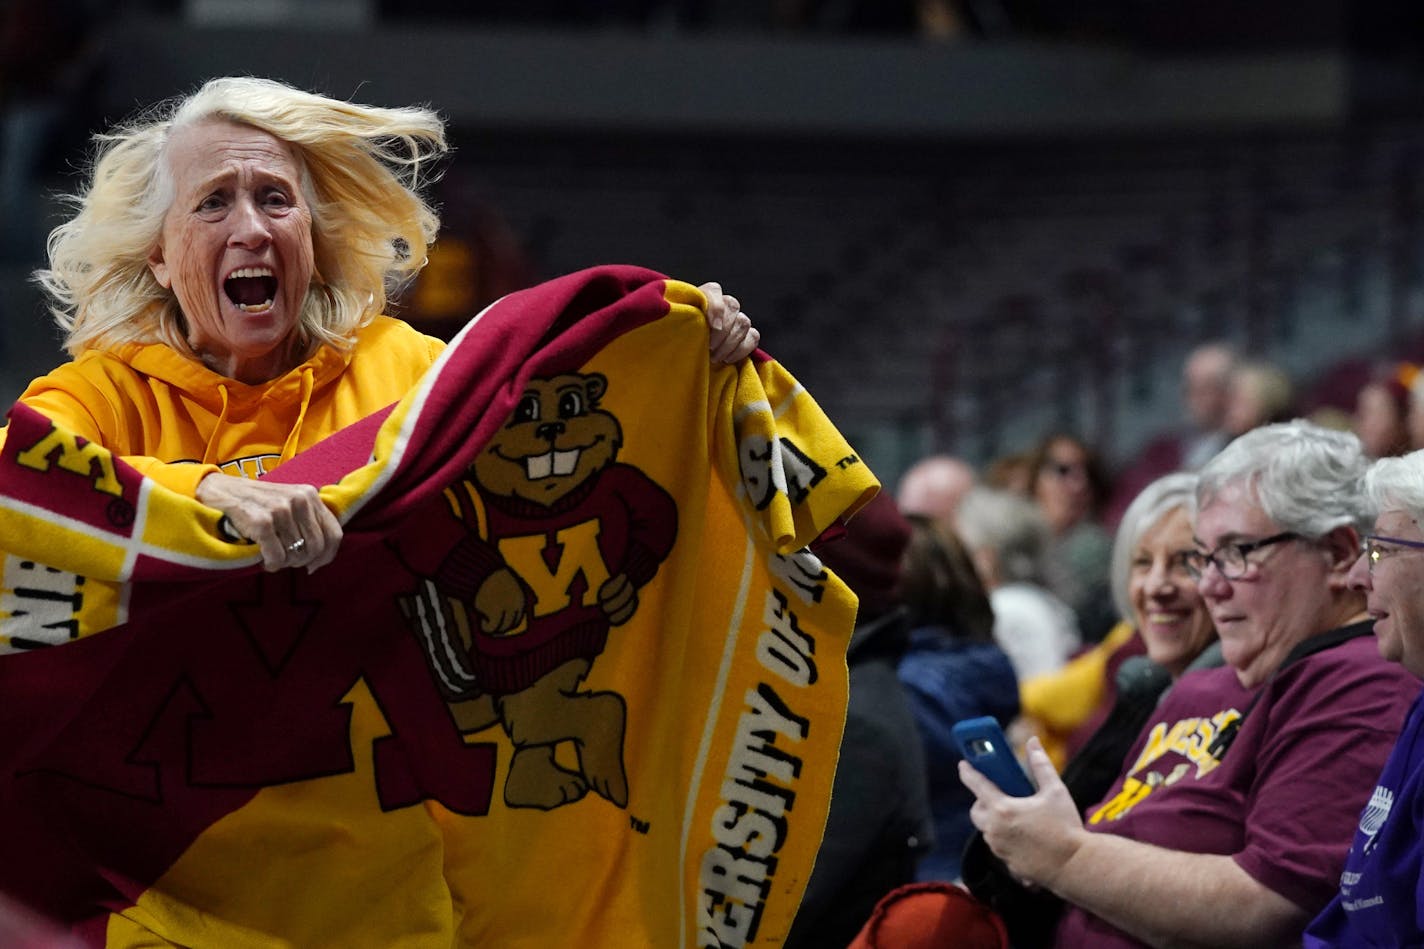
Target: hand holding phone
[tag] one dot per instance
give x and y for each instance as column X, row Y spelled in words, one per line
column 982, row 743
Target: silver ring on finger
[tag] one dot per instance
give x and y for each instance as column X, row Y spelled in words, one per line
column 297, row 546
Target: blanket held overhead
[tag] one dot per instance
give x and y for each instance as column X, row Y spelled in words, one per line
column 574, row 678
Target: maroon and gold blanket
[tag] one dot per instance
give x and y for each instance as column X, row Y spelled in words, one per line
column 572, row 680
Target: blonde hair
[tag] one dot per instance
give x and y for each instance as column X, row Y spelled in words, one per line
column 362, row 170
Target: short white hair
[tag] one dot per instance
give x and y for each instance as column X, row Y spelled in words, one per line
column 1306, row 478
column 1396, row 484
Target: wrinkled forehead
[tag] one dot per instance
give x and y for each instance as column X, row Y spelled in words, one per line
column 206, row 147
column 204, row 151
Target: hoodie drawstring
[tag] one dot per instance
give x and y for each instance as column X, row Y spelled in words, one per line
column 289, row 447
column 221, row 425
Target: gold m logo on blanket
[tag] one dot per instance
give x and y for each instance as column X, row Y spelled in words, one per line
column 74, row 458
column 553, row 586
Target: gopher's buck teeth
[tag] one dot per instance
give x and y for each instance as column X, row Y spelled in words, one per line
column 538, row 467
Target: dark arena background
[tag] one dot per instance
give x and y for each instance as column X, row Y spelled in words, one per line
column 961, row 223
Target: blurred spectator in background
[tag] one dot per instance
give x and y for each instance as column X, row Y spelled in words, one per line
column 933, row 487
column 1070, row 487
column 1206, row 385
column 1012, row 472
column 1414, row 411
column 1261, row 393
column 879, row 823
column 1335, row 419
column 953, row 670
column 1007, row 537
column 1381, row 411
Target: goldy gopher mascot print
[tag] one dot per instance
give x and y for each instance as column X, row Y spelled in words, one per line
column 562, row 538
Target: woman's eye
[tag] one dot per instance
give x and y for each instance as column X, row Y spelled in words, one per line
column 277, row 199
column 211, row 203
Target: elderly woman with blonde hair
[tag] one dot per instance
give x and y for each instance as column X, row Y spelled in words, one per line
column 222, row 288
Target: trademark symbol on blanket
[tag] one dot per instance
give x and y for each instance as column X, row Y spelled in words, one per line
column 641, row 826
column 120, row 512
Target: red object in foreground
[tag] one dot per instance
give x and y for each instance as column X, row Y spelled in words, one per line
column 931, row 916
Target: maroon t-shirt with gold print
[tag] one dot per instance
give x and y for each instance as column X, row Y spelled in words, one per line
column 1284, row 800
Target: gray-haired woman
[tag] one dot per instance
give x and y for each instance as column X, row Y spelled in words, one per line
column 1230, row 821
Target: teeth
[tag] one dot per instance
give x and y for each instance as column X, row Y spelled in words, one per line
column 564, row 462
column 551, row 463
column 252, row 272
column 255, row 307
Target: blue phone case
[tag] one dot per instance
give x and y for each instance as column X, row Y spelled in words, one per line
column 982, row 743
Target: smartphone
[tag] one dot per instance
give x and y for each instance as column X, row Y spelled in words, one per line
column 982, row 743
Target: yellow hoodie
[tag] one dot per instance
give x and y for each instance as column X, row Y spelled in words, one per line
column 177, row 421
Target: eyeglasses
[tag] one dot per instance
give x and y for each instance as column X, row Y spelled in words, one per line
column 1379, row 548
column 1230, row 559
column 1065, row 469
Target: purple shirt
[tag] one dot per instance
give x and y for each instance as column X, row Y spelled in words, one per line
column 1284, row 800
column 1381, row 898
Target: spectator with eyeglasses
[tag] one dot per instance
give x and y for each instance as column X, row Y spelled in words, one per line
column 1070, row 487
column 1231, row 820
column 1381, row 896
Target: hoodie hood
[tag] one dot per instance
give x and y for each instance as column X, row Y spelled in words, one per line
column 225, row 397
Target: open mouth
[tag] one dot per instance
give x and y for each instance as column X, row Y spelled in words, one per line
column 551, row 463
column 251, row 289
